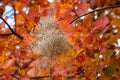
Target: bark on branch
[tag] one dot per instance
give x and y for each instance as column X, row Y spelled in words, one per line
column 99, row 9
column 13, row 32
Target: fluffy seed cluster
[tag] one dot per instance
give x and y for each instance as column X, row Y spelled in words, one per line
column 48, row 40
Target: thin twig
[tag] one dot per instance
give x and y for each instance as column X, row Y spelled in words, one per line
column 45, row 76
column 37, row 77
column 14, row 32
column 75, row 12
column 102, row 8
column 15, row 16
column 7, row 34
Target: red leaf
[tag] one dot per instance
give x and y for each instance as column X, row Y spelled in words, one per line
column 34, row 14
column 67, row 28
column 34, row 63
column 81, row 58
column 25, row 1
column 43, row 3
column 2, row 25
column 82, row 8
column 27, row 38
column 62, row 70
column 101, row 22
column 3, row 77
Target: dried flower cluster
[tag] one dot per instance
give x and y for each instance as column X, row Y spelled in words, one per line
column 49, row 41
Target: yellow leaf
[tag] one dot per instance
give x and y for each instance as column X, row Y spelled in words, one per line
column 96, row 56
column 71, row 52
column 79, row 51
column 18, row 5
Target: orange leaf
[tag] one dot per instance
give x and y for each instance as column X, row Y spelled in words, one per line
column 20, row 19
column 27, row 38
column 7, row 70
column 34, row 14
column 8, row 63
column 116, row 22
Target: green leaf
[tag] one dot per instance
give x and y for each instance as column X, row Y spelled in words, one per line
column 114, row 78
column 109, row 52
column 110, row 69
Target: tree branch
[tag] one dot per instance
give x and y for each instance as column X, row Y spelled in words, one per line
column 7, row 34
column 102, row 8
column 15, row 16
column 36, row 77
column 75, row 12
column 45, row 76
column 13, row 32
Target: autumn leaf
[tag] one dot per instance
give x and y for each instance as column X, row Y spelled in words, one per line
column 34, row 14
column 7, row 70
column 43, row 3
column 101, row 22
column 82, row 8
column 87, row 49
column 20, row 19
column 68, row 28
column 7, row 64
column 27, row 38
column 116, row 22
column 25, row 1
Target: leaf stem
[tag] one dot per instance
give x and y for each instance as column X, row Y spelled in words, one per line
column 13, row 32
column 102, row 8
